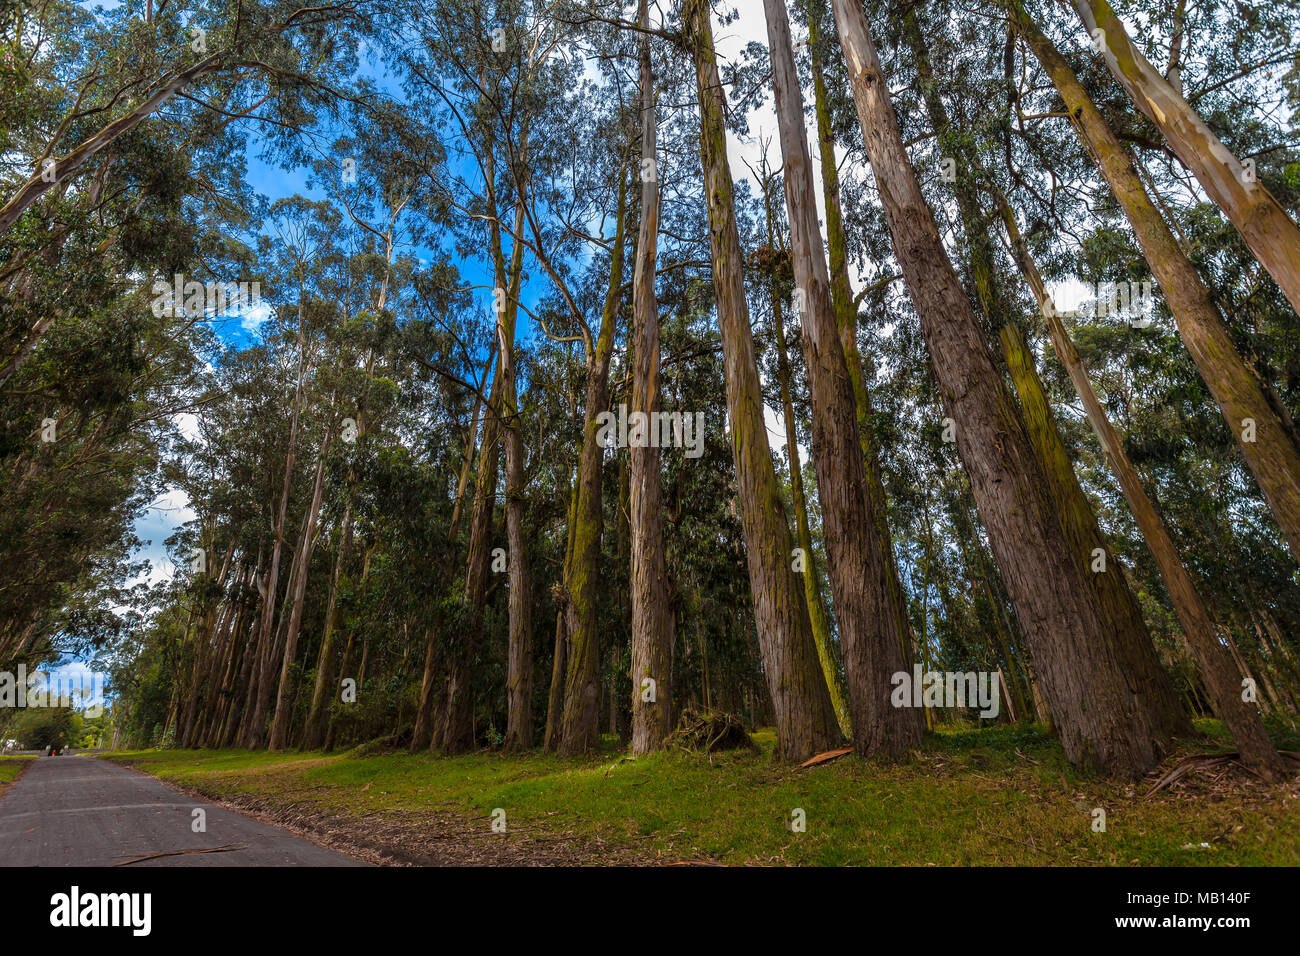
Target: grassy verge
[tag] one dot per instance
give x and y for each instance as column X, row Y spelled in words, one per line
column 10, row 769
column 998, row 796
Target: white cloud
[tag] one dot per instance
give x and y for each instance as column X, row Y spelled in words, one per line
column 168, row 512
column 253, row 318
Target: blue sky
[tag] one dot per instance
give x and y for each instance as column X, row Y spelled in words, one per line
column 274, row 182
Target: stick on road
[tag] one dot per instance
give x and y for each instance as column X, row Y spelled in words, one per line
column 79, row 811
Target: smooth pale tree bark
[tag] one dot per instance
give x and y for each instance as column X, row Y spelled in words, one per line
column 42, row 180
column 579, row 721
column 1214, row 663
column 653, row 624
column 1270, row 233
column 805, row 719
column 519, row 662
column 1267, row 444
column 1103, row 725
column 846, row 318
column 870, row 638
column 1111, row 588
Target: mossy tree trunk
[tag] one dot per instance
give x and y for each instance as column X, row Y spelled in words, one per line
column 1215, row 664
column 871, row 636
column 579, row 724
column 1267, row 443
column 1102, row 726
column 1146, row 675
column 818, row 613
column 846, row 318
column 805, row 718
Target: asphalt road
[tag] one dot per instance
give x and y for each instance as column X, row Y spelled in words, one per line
column 79, row 811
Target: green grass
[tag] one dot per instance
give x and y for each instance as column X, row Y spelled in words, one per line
column 996, row 796
column 10, row 768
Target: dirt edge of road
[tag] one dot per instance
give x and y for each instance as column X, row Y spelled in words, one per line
column 321, row 834
column 411, row 838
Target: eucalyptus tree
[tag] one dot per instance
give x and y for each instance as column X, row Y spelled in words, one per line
column 1001, row 311
column 1264, row 224
column 1267, row 439
column 805, row 718
column 1110, row 727
column 478, row 69
column 653, row 625
column 861, row 563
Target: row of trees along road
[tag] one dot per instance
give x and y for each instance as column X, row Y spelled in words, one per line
column 507, row 220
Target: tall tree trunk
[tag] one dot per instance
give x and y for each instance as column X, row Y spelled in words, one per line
column 805, row 719
column 454, row 723
column 1273, row 455
column 653, row 624
column 1133, row 648
column 254, row 731
column 819, row 617
column 313, row 736
column 1270, row 233
column 579, row 724
column 1078, row 521
column 860, row 564
column 422, row 735
column 846, row 318
column 1216, row 667
column 1102, row 725
column 284, row 697
column 560, row 660
column 519, row 663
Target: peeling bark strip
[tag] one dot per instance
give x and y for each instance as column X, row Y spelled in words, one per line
column 653, row 624
column 1103, row 724
column 1269, row 232
column 805, row 720
column 870, row 639
column 1273, row 456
